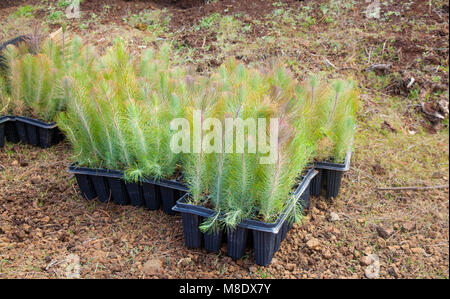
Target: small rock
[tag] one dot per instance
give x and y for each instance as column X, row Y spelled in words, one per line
column 26, row 227
column 322, row 205
column 417, row 250
column 393, row 248
column 327, row 254
column 253, row 269
column 36, row 180
column 370, row 273
column 366, row 260
column 290, row 267
column 388, row 126
column 334, row 217
column 368, row 251
column 141, row 26
column 303, row 260
column 315, row 211
column 381, row 242
column 436, row 175
column 185, row 261
column 15, row 163
column 153, row 267
column 384, row 232
column 313, row 244
column 373, row 270
column 344, row 250
column 409, row 226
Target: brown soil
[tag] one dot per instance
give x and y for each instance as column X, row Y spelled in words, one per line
column 11, row 3
column 44, row 220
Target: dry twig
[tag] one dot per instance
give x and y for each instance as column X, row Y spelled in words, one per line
column 413, row 188
column 378, row 66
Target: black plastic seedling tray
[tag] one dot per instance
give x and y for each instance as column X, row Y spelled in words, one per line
column 267, row 237
column 31, row 131
column 329, row 177
column 4, row 120
column 109, row 185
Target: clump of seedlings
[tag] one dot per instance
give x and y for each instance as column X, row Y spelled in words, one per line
column 118, row 117
column 35, row 77
column 250, row 182
column 332, row 118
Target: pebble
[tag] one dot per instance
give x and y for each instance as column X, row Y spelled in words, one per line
column 373, row 270
column 185, row 261
column 381, row 242
column 409, row 226
column 368, row 250
column 418, row 250
column 384, row 232
column 366, row 260
column 315, row 211
column 344, row 250
column 327, row 254
column 153, row 267
column 322, row 205
column 290, row 267
column 334, row 217
column 313, row 244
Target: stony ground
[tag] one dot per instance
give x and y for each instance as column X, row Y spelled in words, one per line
column 401, row 141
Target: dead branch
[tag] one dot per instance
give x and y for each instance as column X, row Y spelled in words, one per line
column 329, row 63
column 413, row 188
column 378, row 66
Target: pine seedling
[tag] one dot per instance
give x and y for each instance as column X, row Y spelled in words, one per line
column 126, row 105
column 250, row 189
column 33, row 82
column 344, row 119
column 36, row 80
column 140, row 143
column 200, row 101
column 160, row 96
column 82, row 126
column 333, row 119
column 5, row 99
